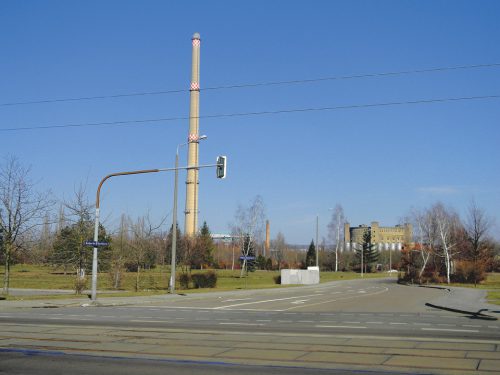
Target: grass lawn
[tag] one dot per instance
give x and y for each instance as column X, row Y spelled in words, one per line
column 151, row 281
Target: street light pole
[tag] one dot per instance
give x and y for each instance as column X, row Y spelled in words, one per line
column 317, row 244
column 174, row 215
column 174, row 226
column 96, row 225
column 362, row 259
column 97, row 207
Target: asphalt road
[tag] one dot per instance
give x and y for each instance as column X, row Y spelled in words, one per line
column 322, row 326
column 368, row 307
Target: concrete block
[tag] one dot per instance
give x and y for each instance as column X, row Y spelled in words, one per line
column 300, row 277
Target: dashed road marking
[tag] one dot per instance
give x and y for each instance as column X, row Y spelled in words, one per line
column 349, row 327
column 450, row 330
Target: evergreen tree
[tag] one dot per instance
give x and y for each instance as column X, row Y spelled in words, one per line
column 70, row 252
column 311, row 255
column 369, row 252
column 204, row 248
column 180, row 245
column 261, row 262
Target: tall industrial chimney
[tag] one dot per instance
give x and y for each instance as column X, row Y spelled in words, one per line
column 191, row 212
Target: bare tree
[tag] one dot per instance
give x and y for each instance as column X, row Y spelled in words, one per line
column 249, row 223
column 22, row 209
column 335, row 231
column 121, row 243
column 477, row 227
column 426, row 236
column 141, row 246
column 80, row 216
column 279, row 247
column 447, row 225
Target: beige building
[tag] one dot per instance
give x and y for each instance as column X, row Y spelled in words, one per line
column 385, row 237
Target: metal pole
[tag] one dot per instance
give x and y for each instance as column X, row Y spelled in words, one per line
column 317, row 245
column 362, row 260
column 174, row 227
column 390, row 259
column 94, row 258
column 97, row 203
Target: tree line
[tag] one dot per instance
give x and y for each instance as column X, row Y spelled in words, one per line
column 445, row 246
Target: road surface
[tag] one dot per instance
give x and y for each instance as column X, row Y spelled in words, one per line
column 361, row 325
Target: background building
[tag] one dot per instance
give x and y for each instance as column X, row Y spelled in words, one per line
column 387, row 238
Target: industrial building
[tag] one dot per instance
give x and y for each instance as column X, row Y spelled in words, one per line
column 387, row 238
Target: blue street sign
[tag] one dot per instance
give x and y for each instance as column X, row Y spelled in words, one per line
column 247, row 258
column 96, row 243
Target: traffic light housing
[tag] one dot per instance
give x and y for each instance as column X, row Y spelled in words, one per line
column 221, row 167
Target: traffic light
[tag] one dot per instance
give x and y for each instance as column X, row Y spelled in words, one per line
column 221, row 167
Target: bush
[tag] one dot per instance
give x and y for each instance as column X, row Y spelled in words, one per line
column 277, row 279
column 80, row 284
column 432, row 277
column 204, row 280
column 468, row 272
column 184, row 280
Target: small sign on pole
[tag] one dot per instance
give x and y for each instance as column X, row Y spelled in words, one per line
column 247, row 258
column 96, row 243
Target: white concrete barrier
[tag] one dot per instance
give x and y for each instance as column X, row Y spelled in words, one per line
column 300, row 277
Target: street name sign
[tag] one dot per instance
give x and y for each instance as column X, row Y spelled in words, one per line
column 96, row 243
column 247, row 258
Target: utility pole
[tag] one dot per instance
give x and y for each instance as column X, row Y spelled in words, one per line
column 317, row 245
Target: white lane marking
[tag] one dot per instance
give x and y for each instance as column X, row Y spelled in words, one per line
column 449, row 330
column 352, row 322
column 149, row 321
column 324, row 326
column 396, row 323
column 301, row 301
column 257, row 302
column 341, row 299
column 422, row 324
column 242, row 324
column 471, row 325
column 236, row 299
column 263, row 320
column 495, row 327
column 374, row 322
column 305, row 321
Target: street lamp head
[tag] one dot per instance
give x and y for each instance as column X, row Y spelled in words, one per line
column 202, row 137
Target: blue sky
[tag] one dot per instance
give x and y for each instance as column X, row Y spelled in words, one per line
column 377, row 162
